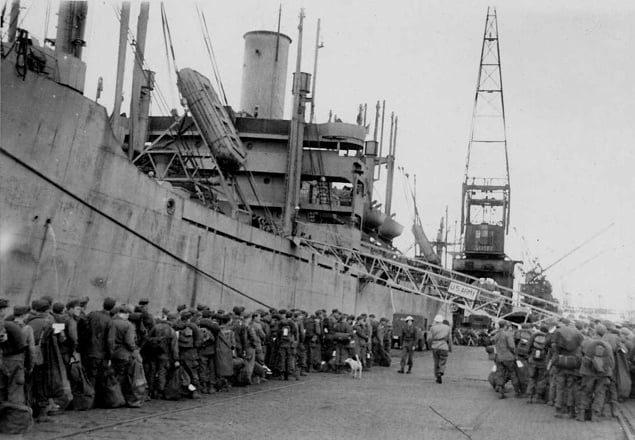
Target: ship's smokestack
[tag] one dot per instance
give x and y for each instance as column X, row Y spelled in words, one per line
column 264, row 74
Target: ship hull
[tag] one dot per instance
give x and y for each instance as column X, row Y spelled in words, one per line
column 78, row 219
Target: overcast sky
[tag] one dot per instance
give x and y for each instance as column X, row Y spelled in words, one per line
column 568, row 70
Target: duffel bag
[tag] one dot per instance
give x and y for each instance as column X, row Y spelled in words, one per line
column 15, row 418
column 111, row 394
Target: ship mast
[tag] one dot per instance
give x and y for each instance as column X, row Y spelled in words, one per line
column 318, row 46
column 70, row 28
column 141, row 86
column 121, row 59
column 296, row 139
column 390, row 163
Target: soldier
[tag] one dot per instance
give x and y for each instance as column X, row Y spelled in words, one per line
column 12, row 347
column 440, row 340
column 566, row 343
column 96, row 353
column 68, row 317
column 537, row 366
column 408, row 341
column 596, row 369
column 388, row 337
column 287, row 341
column 342, row 333
column 506, row 359
column 207, row 354
column 121, row 340
column 611, row 336
column 360, row 330
column 301, row 351
column 41, row 321
column 189, row 341
column 313, row 328
column 162, row 352
column 225, row 346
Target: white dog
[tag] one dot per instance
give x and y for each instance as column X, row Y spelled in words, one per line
column 356, row 366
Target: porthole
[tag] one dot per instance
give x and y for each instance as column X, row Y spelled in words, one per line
column 170, row 206
column 267, row 180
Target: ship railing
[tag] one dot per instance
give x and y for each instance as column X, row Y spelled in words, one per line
column 435, row 282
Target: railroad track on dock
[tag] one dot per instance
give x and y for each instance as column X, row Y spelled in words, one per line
column 203, row 403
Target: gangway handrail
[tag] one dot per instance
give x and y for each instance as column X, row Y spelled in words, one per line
column 484, row 301
column 434, row 266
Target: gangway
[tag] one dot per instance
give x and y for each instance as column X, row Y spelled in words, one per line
column 433, row 281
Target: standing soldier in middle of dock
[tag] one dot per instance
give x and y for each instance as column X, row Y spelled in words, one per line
column 441, row 343
column 408, row 340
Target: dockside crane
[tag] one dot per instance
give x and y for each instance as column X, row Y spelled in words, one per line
column 486, row 189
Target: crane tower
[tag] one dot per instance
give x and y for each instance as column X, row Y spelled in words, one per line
column 486, row 191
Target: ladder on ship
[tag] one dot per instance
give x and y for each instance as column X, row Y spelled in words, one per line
column 422, row 278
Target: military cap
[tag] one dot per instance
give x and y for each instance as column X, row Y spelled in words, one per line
column 172, row 316
column 165, row 311
column 600, row 329
column 20, row 310
column 335, row 311
column 83, row 301
column 73, row 303
column 48, row 299
column 186, row 315
column 180, row 308
column 40, row 305
column 220, row 311
column 109, row 303
column 238, row 310
column 223, row 319
column 58, row 307
column 207, row 313
column 4, row 303
column 200, row 307
column 144, row 301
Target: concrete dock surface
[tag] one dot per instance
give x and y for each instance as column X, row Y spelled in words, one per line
column 382, row 405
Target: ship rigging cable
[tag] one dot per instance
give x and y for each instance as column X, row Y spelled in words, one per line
column 129, row 229
column 210, row 51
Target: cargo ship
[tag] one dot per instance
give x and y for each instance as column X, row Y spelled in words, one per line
column 214, row 206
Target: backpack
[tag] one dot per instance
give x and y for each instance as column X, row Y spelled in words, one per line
column 568, row 362
column 599, row 359
column 568, row 339
column 523, row 347
column 538, row 346
column 285, row 333
column 153, row 346
column 186, row 337
column 207, row 338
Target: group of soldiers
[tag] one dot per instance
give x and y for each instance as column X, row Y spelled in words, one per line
column 578, row 367
column 214, row 349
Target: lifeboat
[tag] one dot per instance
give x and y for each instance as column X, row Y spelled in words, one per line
column 215, row 125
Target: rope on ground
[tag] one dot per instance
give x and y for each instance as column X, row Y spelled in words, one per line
column 128, row 229
column 450, row 422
